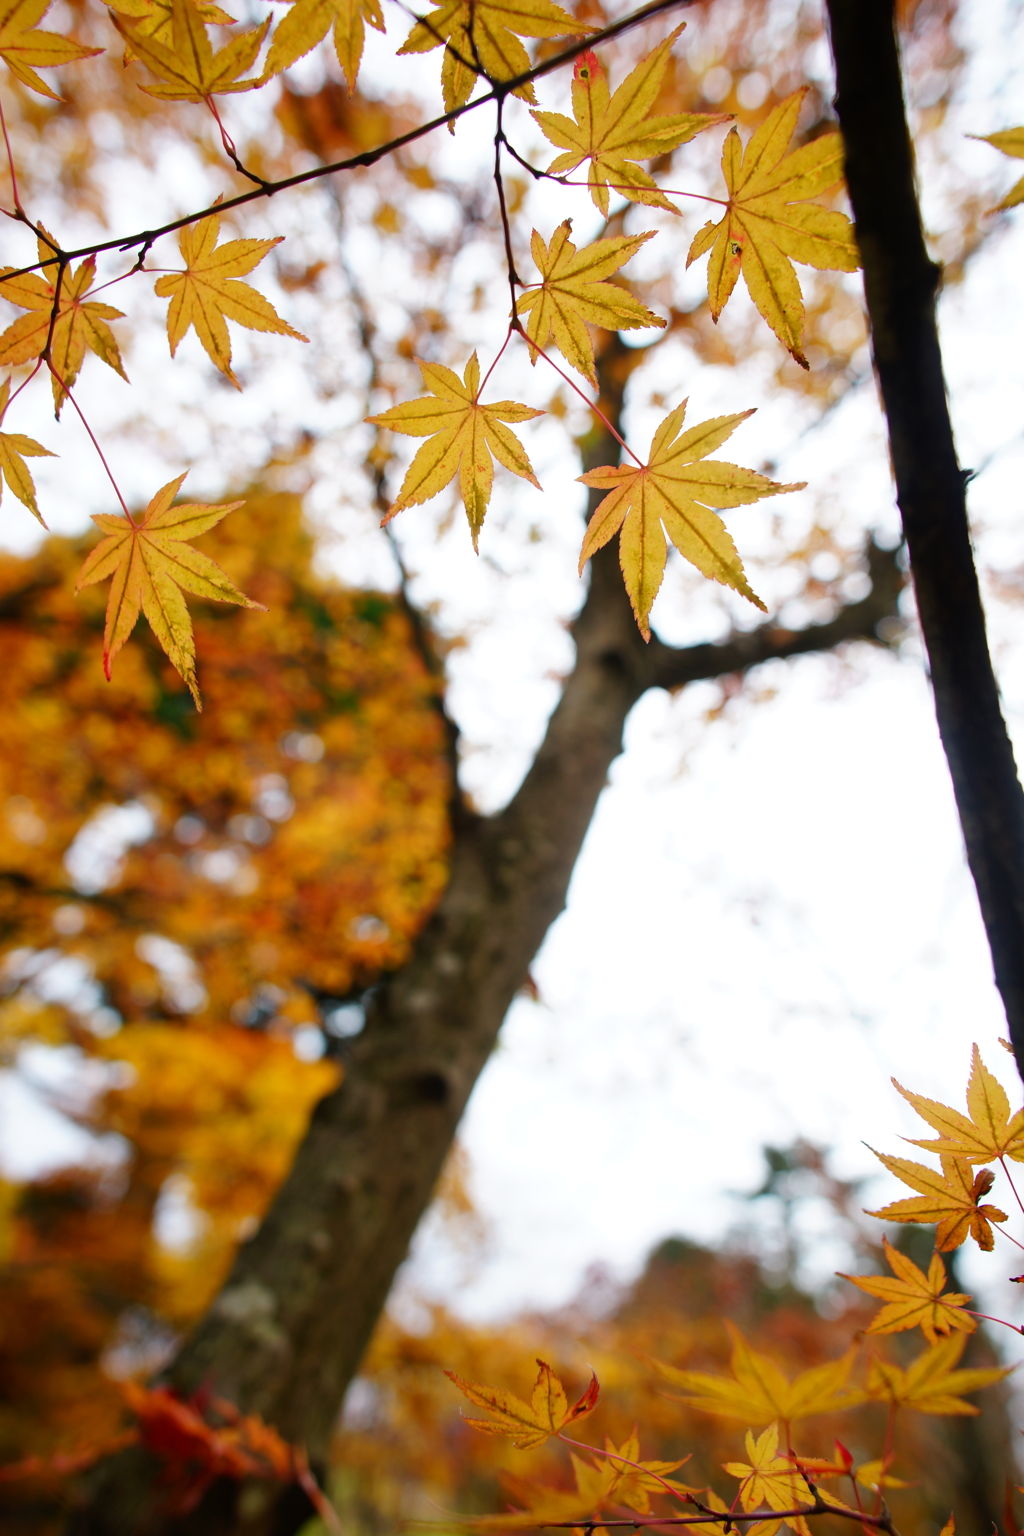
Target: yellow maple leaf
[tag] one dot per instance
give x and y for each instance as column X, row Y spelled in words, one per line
column 614, row 131
column 913, row 1297
column 950, row 1199
column 759, row 1391
column 463, row 434
column 481, row 36
column 621, row 1477
column 22, row 45
column 673, row 494
column 154, row 18
column 770, row 1479
column 527, row 1424
column 573, row 292
column 309, row 20
column 876, row 1475
column 769, row 222
column 80, row 322
column 987, row 1130
column 207, row 294
column 14, row 449
column 188, row 67
column 931, row 1383
column 151, row 562
column 1011, row 142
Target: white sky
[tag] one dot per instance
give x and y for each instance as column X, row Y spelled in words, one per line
column 771, row 914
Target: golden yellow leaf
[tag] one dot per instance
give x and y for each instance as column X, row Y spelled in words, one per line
column 22, row 45
column 154, row 18
column 770, row 1479
column 573, row 292
column 482, row 36
column 614, row 131
column 931, row 1383
column 604, row 1481
column 14, row 449
column 188, row 66
column 80, row 322
column 151, row 563
column 309, row 20
column 673, row 495
column 1011, row 142
column 914, row 1298
column 760, row 1392
column 950, row 1199
column 207, row 294
column 875, row 1475
column 527, row 1424
column 769, row 222
column 463, row 434
column 988, row 1129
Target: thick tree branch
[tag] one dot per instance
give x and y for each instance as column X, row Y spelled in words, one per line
column 900, row 284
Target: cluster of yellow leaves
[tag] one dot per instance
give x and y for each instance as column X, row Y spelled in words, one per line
column 614, row 131
column 769, row 221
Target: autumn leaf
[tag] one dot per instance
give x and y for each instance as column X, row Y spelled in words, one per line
column 1011, row 142
column 599, row 1483
column 14, row 449
column 309, row 20
column 614, row 132
column 527, row 1424
column 208, row 294
column 23, row 45
column 463, row 436
column 486, row 33
column 154, row 18
column 673, row 495
column 80, row 322
column 759, row 1392
column 931, row 1383
column 188, row 66
column 987, row 1130
column 950, row 1199
column 875, row 1475
column 573, row 292
column 770, row 1479
column 914, row 1298
column 769, row 222
column 151, row 563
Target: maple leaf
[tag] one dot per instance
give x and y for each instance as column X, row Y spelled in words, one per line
column 760, row 1392
column 188, row 66
column 308, row 21
column 614, row 132
column 22, row 44
column 769, row 223
column 931, row 1383
column 151, row 562
column 463, row 435
column 987, row 1130
column 154, row 18
column 672, row 494
column 614, row 1481
column 14, row 449
column 914, row 1298
column 482, row 37
column 573, row 292
column 207, row 294
column 770, row 1479
column 950, row 1198
column 80, row 322
column 876, row 1475
column 528, row 1424
column 1011, row 142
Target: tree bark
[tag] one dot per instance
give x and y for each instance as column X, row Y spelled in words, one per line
column 900, row 286
column 287, row 1332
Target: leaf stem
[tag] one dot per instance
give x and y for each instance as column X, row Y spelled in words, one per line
column 516, row 325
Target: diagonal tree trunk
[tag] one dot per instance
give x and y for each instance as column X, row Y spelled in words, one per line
column 900, row 285
column 287, row 1332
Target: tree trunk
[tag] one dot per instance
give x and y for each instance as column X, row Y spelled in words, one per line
column 900, row 285
column 287, row 1332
